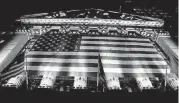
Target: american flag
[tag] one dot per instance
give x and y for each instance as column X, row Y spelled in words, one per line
column 15, row 68
column 13, row 71
column 75, row 55
column 11, row 54
column 125, row 56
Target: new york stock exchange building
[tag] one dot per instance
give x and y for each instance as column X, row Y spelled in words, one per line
column 88, row 50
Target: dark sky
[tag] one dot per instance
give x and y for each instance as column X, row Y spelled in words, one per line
column 11, row 9
column 16, row 7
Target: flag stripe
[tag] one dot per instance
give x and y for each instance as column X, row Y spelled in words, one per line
column 62, row 53
column 63, row 56
column 84, row 69
column 62, row 64
column 130, row 55
column 126, row 66
column 63, row 73
column 133, row 70
column 118, row 51
column 133, row 75
column 103, row 40
column 134, row 62
column 121, row 48
column 132, row 58
column 115, row 43
column 115, row 38
column 57, row 60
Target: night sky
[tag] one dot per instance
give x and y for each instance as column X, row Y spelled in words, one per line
column 12, row 9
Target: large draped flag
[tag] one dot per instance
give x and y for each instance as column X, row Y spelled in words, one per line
column 125, row 56
column 75, row 55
